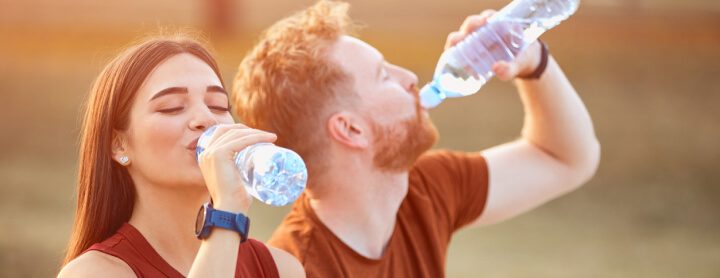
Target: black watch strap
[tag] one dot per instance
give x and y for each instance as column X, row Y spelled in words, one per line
column 544, row 56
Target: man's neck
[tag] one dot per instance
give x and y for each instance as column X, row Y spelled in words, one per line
column 360, row 207
column 165, row 217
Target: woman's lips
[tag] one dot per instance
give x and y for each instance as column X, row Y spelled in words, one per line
column 193, row 144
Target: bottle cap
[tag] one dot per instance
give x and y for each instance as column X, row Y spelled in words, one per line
column 430, row 96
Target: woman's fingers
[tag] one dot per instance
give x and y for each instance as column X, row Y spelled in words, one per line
column 218, row 168
column 240, row 143
column 217, row 148
column 221, row 129
column 236, row 133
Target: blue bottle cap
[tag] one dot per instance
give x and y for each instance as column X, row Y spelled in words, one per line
column 430, row 96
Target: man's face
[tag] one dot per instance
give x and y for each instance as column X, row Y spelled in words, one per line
column 388, row 95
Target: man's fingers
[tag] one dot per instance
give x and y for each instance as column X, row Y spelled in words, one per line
column 475, row 21
column 505, row 71
column 453, row 38
column 470, row 24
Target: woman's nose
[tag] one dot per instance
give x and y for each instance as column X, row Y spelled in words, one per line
column 202, row 118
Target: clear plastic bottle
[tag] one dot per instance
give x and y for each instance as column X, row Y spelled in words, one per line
column 274, row 175
column 467, row 66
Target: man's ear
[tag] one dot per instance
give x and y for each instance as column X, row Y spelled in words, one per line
column 348, row 129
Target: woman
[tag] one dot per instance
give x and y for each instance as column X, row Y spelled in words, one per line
column 139, row 184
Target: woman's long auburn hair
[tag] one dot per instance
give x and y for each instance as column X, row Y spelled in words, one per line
column 106, row 193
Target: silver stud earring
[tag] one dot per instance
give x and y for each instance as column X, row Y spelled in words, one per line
column 124, row 160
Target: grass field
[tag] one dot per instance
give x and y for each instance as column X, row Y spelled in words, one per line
column 650, row 81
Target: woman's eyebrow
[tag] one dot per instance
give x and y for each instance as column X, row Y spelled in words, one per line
column 216, row 89
column 171, row 90
column 184, row 90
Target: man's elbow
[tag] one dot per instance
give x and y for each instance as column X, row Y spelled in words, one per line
column 588, row 165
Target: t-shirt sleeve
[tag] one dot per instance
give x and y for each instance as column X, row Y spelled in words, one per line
column 456, row 183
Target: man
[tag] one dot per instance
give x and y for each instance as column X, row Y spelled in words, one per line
column 377, row 204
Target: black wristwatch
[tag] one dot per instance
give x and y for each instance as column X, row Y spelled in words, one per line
column 544, row 57
column 208, row 218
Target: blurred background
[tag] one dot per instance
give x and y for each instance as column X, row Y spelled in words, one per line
column 648, row 71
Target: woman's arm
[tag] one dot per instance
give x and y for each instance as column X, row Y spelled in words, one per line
column 218, row 253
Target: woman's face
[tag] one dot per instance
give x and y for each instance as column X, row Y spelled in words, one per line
column 180, row 98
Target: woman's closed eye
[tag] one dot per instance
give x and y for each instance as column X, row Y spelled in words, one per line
column 222, row 109
column 171, row 110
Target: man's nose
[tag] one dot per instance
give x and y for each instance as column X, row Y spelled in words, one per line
column 408, row 78
column 412, row 81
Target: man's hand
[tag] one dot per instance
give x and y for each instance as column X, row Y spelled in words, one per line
column 524, row 64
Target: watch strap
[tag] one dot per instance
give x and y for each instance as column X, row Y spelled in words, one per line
column 237, row 222
column 544, row 57
column 231, row 221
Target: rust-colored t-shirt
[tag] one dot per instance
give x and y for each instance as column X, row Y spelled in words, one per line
column 446, row 191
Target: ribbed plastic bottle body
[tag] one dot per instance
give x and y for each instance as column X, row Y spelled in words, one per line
column 464, row 68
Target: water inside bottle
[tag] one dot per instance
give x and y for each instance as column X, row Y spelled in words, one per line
column 274, row 177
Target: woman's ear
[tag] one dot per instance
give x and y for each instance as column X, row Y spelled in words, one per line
column 348, row 129
column 119, row 148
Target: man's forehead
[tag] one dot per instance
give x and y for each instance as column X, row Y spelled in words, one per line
column 347, row 45
column 351, row 52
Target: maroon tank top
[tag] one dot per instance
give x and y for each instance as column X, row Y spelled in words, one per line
column 129, row 245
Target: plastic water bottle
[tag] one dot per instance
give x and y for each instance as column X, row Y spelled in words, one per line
column 467, row 66
column 274, row 175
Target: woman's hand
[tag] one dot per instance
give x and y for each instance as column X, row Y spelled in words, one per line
column 217, row 165
column 524, row 64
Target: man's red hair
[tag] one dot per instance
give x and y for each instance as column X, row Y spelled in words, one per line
column 287, row 83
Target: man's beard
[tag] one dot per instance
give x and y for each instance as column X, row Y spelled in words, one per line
column 397, row 146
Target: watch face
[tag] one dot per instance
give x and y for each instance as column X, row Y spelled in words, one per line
column 200, row 220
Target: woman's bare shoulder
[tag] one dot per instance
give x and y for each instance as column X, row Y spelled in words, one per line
column 287, row 264
column 96, row 264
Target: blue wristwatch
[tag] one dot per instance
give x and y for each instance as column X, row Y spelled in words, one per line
column 208, row 218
